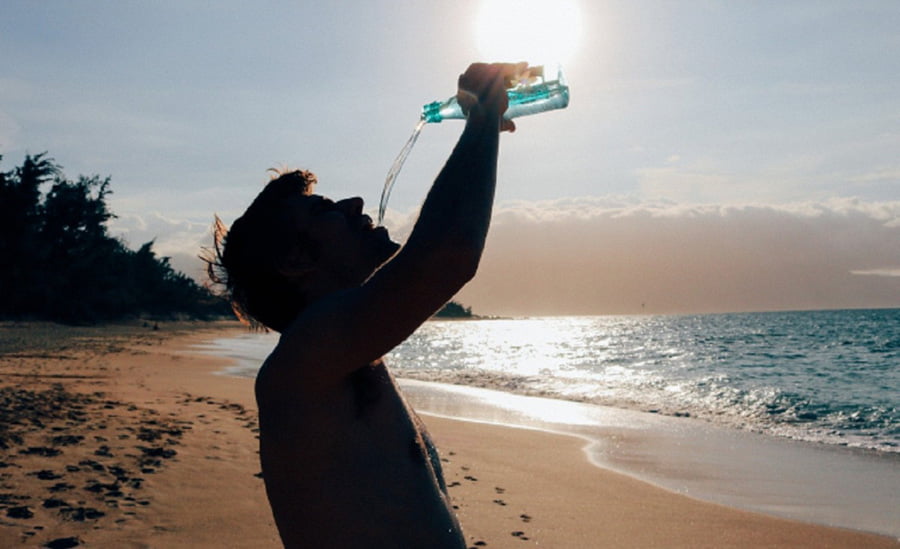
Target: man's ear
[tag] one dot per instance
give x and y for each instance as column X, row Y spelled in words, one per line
column 297, row 266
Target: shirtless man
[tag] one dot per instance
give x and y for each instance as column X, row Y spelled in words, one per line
column 346, row 461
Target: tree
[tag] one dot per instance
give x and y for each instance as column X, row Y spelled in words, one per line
column 61, row 264
column 454, row 310
column 20, row 216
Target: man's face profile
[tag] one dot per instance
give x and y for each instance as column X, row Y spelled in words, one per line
column 341, row 241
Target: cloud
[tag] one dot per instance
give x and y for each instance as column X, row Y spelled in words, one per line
column 891, row 175
column 878, row 272
column 623, row 255
column 613, row 255
column 181, row 240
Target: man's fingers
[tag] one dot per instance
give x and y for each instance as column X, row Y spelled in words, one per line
column 483, row 73
column 485, row 84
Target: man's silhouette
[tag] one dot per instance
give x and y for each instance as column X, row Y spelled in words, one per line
column 346, row 461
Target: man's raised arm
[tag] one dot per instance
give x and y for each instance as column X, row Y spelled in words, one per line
column 354, row 327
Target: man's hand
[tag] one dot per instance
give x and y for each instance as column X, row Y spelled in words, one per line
column 482, row 89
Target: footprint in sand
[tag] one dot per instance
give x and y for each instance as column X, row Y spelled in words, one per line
column 54, row 503
column 66, row 440
column 46, row 474
column 20, row 512
column 61, row 487
column 96, row 466
column 81, row 514
column 63, row 543
column 40, row 451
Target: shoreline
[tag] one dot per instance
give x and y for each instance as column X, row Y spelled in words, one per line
column 555, row 497
column 815, row 483
column 529, row 487
column 812, row 482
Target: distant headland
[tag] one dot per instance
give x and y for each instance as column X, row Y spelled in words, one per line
column 456, row 311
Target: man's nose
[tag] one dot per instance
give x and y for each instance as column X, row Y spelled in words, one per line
column 351, row 206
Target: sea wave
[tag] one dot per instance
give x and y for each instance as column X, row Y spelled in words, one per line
column 821, row 376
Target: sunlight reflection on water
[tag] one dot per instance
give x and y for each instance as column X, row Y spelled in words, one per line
column 773, row 373
column 825, row 376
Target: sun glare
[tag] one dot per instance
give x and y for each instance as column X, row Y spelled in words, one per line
column 536, row 31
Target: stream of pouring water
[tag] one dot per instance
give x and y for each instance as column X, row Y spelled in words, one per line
column 395, row 170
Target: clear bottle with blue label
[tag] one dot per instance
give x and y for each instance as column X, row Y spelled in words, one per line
column 529, row 96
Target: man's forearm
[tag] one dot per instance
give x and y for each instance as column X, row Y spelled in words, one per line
column 457, row 210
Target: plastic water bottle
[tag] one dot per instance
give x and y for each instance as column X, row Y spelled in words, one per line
column 529, row 96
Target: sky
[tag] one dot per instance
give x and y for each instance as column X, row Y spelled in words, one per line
column 715, row 156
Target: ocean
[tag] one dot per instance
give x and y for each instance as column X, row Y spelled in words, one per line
column 815, row 392
column 831, row 377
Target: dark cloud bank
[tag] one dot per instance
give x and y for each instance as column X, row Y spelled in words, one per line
column 593, row 257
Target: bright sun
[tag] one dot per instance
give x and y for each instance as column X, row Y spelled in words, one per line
column 537, row 31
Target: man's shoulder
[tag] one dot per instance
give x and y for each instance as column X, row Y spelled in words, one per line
column 295, row 375
column 280, row 374
column 284, row 388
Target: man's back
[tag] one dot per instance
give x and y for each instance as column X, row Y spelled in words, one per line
column 351, row 466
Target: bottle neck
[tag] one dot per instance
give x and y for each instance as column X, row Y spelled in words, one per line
column 436, row 111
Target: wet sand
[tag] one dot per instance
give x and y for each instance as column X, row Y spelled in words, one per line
column 817, row 483
column 125, row 437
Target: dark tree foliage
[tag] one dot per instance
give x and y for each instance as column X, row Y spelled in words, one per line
column 454, row 310
column 58, row 262
column 20, row 216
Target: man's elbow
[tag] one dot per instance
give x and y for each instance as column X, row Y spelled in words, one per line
column 467, row 267
column 455, row 267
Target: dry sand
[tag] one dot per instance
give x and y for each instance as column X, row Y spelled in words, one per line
column 124, row 437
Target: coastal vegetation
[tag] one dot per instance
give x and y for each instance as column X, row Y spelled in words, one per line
column 454, row 310
column 58, row 261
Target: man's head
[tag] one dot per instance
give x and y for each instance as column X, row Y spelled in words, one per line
column 292, row 247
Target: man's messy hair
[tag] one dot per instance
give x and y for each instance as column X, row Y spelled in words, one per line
column 243, row 263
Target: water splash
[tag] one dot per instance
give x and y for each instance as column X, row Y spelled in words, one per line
column 395, row 169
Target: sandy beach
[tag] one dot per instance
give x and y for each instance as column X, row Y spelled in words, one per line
column 126, row 437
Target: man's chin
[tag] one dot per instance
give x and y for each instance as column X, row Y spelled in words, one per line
column 387, row 250
column 391, row 248
column 382, row 234
column 382, row 246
